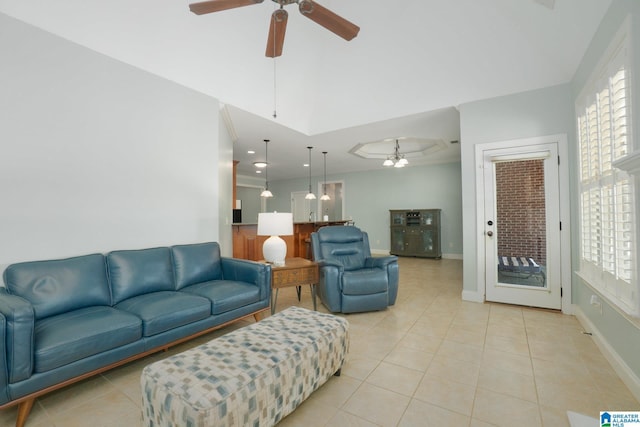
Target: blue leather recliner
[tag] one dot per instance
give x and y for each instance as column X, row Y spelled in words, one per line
column 351, row 280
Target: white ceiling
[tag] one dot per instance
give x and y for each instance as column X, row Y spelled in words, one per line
column 411, row 64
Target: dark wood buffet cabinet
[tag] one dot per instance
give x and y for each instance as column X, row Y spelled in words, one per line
column 415, row 232
column 248, row 245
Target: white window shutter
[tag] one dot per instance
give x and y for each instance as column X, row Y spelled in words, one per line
column 607, row 193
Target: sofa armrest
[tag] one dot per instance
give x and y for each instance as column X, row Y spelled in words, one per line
column 380, row 262
column 4, row 380
column 19, row 335
column 247, row 271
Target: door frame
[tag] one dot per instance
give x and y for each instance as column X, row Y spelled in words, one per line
column 548, row 296
column 343, row 197
column 308, row 206
column 564, row 206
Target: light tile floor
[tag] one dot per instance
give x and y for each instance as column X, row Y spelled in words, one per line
column 430, row 360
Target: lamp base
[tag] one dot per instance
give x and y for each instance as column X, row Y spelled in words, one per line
column 274, row 250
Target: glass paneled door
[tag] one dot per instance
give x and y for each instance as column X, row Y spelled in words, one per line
column 522, row 226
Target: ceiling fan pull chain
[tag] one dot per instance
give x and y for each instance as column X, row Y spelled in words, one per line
column 275, row 114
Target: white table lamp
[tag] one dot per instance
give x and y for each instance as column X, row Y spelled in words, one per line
column 275, row 224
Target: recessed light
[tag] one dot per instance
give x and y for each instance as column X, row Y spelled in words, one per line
column 251, row 152
column 260, row 164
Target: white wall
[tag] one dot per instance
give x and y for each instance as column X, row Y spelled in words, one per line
column 369, row 195
column 224, row 197
column 98, row 155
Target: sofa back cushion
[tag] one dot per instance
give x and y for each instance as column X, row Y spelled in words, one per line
column 346, row 245
column 58, row 286
column 137, row 272
column 196, row 263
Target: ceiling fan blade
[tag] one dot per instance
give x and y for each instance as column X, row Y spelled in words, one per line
column 218, row 5
column 332, row 22
column 277, row 29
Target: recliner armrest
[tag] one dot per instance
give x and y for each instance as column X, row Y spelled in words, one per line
column 247, row 271
column 380, row 262
column 19, row 334
column 390, row 263
column 324, row 263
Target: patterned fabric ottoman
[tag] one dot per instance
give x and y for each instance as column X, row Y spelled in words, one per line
column 253, row 376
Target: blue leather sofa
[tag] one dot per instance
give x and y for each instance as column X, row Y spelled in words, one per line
column 65, row 320
column 351, row 280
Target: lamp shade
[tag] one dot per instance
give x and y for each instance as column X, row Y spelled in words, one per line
column 275, row 224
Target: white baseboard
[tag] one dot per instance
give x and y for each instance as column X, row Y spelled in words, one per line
column 473, row 296
column 379, row 252
column 579, row 420
column 444, row 256
column 625, row 373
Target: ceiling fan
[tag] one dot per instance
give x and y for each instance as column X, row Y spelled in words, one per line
column 309, row 8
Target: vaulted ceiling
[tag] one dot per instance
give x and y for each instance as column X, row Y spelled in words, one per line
column 411, row 65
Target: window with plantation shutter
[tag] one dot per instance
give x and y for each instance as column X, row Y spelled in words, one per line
column 607, row 193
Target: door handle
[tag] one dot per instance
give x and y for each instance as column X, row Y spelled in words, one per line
column 489, row 233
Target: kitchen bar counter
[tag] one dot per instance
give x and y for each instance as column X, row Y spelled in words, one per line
column 248, row 245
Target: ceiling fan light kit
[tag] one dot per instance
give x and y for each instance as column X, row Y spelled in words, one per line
column 277, row 29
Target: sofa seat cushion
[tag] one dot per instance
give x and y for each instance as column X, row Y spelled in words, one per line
column 225, row 295
column 67, row 337
column 161, row 311
column 364, row 282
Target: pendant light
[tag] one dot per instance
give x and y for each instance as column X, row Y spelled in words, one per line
column 324, row 186
column 266, row 192
column 310, row 195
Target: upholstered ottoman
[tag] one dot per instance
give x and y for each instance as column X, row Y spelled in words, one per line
column 253, row 376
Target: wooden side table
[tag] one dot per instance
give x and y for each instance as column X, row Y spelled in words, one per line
column 294, row 272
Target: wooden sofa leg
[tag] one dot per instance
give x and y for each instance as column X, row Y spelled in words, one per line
column 258, row 316
column 24, row 409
